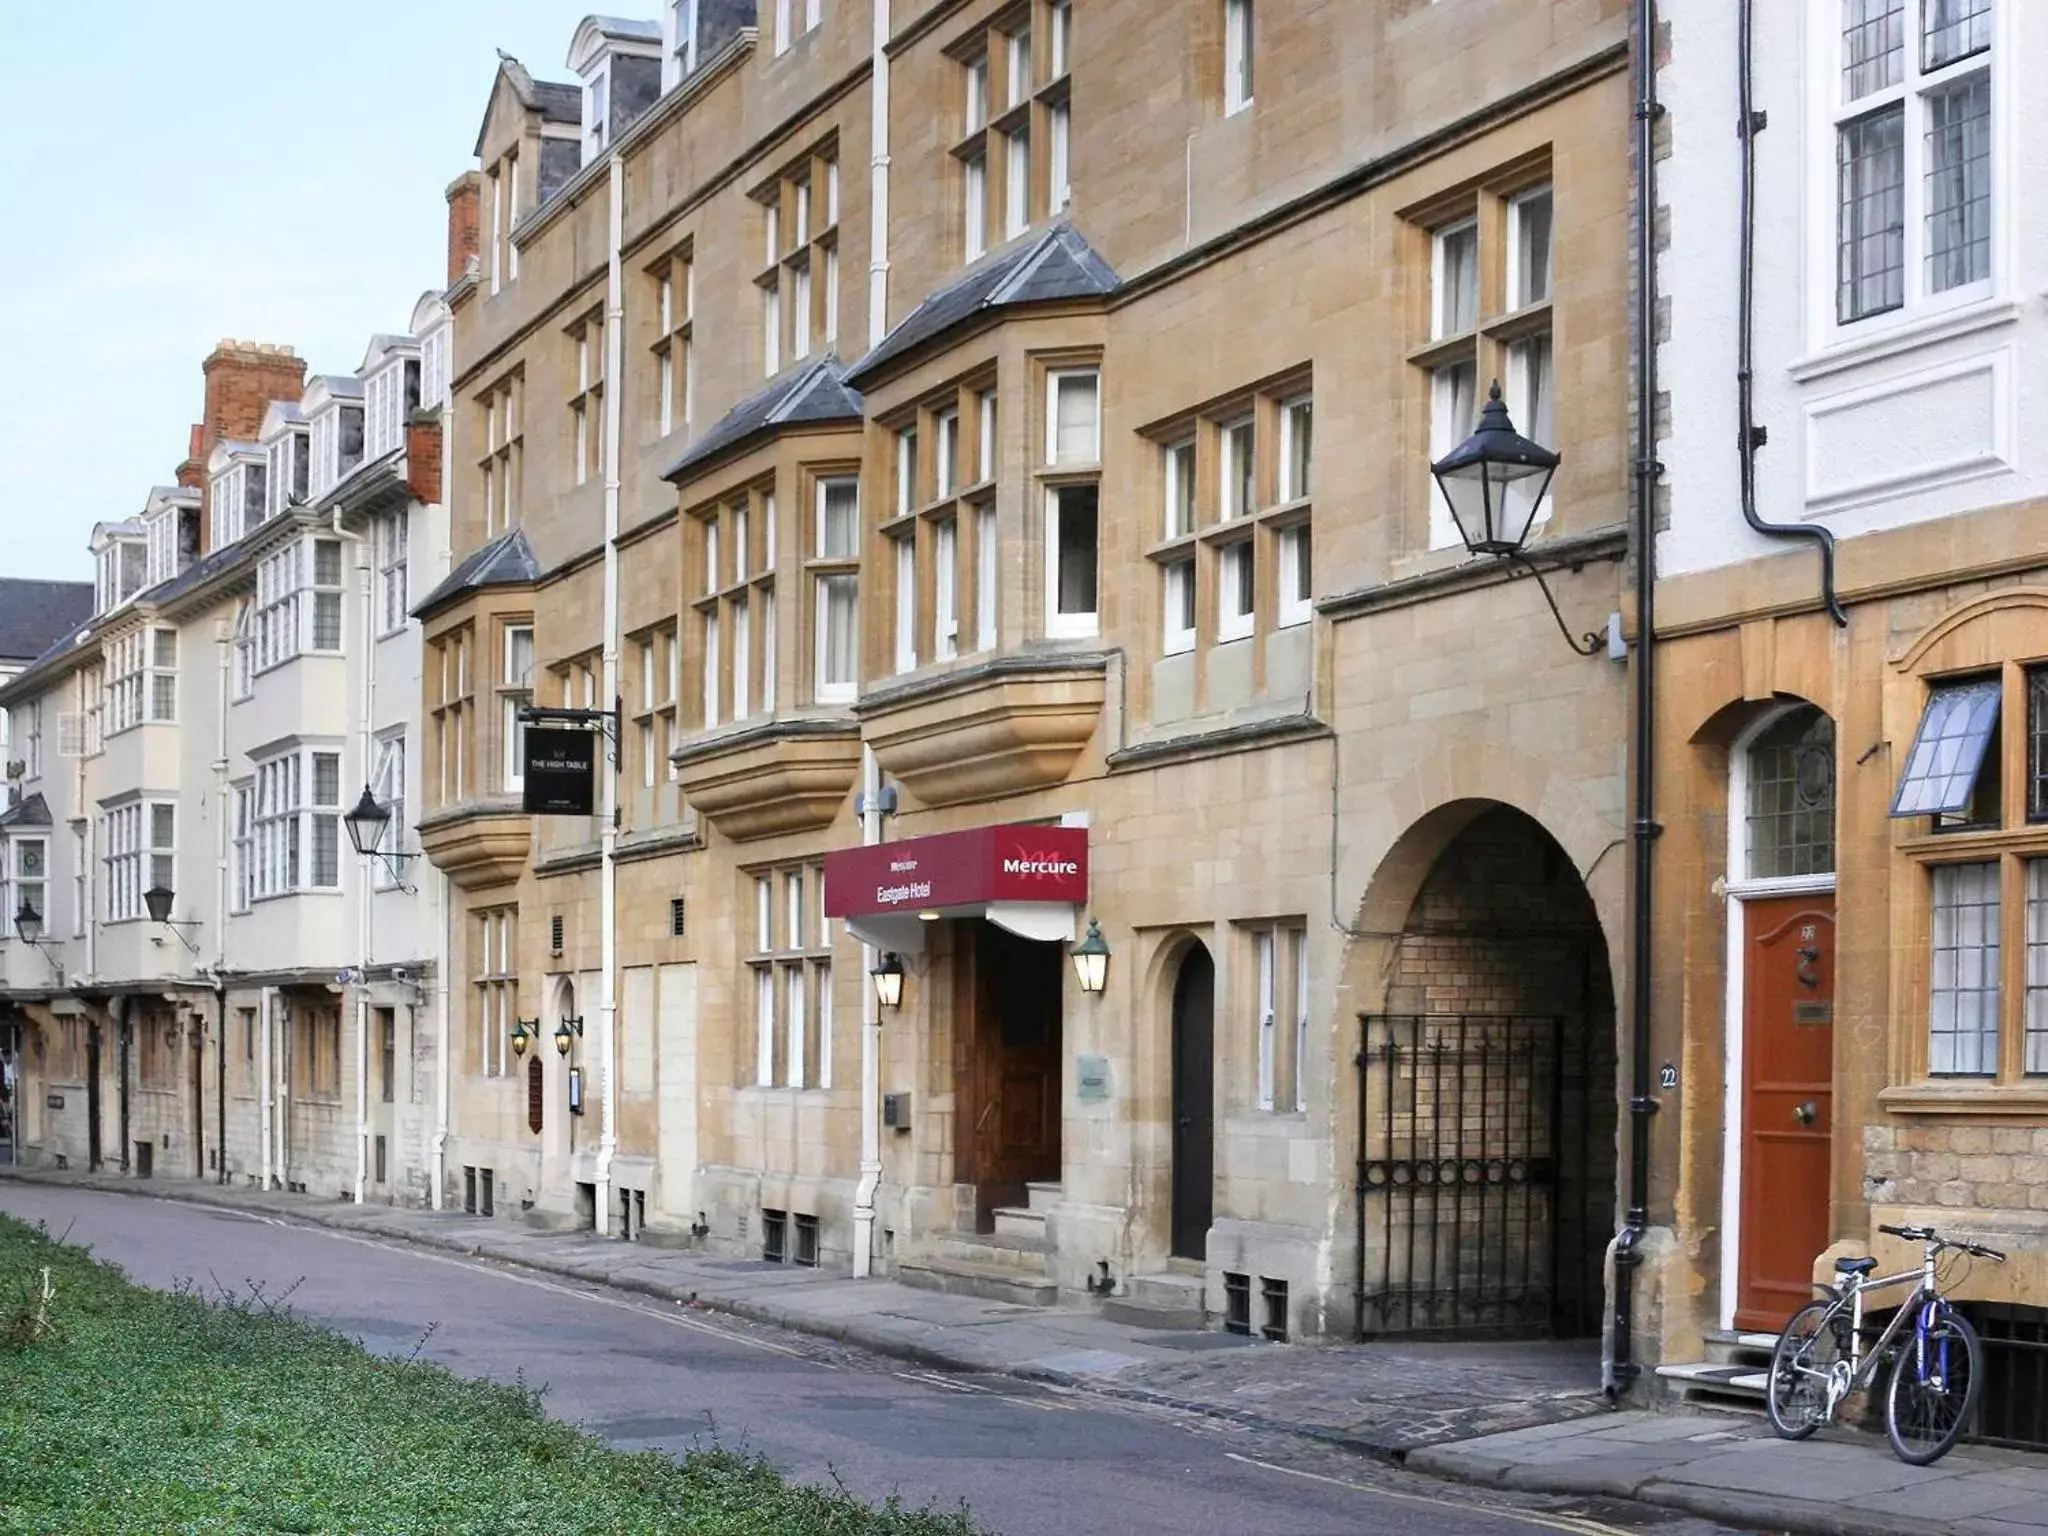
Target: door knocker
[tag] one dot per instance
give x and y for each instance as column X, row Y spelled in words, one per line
column 1808, row 970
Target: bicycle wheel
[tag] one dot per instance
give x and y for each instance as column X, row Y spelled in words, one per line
column 1933, row 1393
column 1797, row 1394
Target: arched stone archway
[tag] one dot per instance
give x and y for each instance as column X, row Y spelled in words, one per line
column 1487, row 1099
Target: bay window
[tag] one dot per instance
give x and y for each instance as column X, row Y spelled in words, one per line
column 296, row 824
column 298, row 602
column 515, row 692
column 836, row 599
column 140, row 839
column 789, row 968
column 142, row 679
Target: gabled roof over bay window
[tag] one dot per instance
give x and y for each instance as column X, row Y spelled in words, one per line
column 333, row 405
column 619, row 63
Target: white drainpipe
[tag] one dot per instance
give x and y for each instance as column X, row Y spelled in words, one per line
column 608, row 804
column 870, row 1050
column 444, row 938
column 364, row 882
column 266, row 1108
column 878, row 181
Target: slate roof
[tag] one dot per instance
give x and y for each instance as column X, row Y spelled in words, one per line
column 557, row 101
column 817, row 392
column 1057, row 265
column 36, row 614
column 506, row 561
column 32, row 812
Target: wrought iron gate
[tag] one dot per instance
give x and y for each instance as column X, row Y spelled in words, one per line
column 1479, row 1203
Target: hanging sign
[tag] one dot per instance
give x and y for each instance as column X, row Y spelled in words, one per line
column 561, row 772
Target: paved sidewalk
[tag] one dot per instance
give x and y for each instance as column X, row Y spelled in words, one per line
column 1731, row 1469
column 1381, row 1400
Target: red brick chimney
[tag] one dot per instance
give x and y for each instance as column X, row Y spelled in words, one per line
column 465, row 241
column 242, row 378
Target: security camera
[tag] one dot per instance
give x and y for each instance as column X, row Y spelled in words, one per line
column 400, row 973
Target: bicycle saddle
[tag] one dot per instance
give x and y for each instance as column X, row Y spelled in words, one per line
column 1854, row 1266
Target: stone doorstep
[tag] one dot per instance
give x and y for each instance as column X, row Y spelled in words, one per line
column 1168, row 1301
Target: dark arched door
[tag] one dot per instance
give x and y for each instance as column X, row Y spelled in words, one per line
column 1194, row 1104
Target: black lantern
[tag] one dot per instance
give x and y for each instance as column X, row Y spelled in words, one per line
column 366, row 823
column 28, row 922
column 566, row 1033
column 888, row 979
column 158, row 899
column 1494, row 481
column 1091, row 959
column 522, row 1036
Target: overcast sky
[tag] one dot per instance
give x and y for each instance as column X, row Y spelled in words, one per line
column 174, row 174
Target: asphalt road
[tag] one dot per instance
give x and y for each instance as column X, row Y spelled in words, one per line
column 1029, row 1461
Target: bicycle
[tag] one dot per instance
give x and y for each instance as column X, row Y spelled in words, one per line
column 1936, row 1372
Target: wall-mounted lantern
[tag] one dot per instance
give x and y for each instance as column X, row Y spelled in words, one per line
column 1091, row 959
column 888, row 979
column 567, row 1033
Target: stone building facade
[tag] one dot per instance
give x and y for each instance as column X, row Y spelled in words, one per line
column 247, row 669
column 1848, row 984
column 928, row 435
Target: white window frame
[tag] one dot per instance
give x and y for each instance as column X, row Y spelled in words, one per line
column 742, row 658
column 1301, row 1072
column 1016, row 182
column 1915, row 87
column 136, row 857
column 1177, row 595
column 295, row 822
column 987, row 586
column 708, row 651
column 768, row 651
column 515, row 689
column 771, row 328
column 1264, row 1002
column 945, row 589
column 1059, row 131
column 1441, row 294
column 905, row 546
column 824, row 688
column 1054, row 379
column 1230, row 459
column 1517, row 279
column 1239, row 46
column 1296, row 412
column 393, row 536
column 1231, row 625
column 1444, row 435
column 1059, row 625
column 906, row 471
column 945, row 453
column 1018, row 56
column 1179, row 462
column 242, row 887
column 387, row 787
column 1296, row 604
column 974, row 205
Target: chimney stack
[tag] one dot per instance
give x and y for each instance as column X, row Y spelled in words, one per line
column 465, row 199
column 242, row 378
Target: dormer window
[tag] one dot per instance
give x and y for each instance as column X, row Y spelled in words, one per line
column 120, row 570
column 337, row 446
column 682, row 39
column 284, row 477
column 238, row 501
column 596, row 125
column 390, row 396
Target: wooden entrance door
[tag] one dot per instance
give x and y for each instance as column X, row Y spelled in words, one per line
column 1194, row 1104
column 1013, row 1067
column 1788, row 1055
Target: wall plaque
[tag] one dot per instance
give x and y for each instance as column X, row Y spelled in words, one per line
column 1812, row 1015
column 1091, row 1078
column 54, row 1101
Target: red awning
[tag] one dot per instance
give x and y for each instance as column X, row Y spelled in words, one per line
column 1006, row 873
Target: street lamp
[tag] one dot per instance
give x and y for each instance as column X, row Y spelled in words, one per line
column 157, row 900
column 28, row 922
column 1493, row 483
column 367, row 824
column 522, row 1036
column 1091, row 959
column 566, row 1032
column 888, row 978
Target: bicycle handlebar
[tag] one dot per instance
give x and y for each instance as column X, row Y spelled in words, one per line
column 1929, row 1235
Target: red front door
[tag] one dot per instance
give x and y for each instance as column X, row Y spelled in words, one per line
column 1788, row 1038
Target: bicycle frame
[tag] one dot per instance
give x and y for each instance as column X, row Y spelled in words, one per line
column 1850, row 1375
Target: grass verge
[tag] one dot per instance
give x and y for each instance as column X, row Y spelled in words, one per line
column 129, row 1410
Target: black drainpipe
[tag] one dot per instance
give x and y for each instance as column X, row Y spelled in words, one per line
column 1643, row 828
column 220, row 1094
column 125, row 1032
column 1749, row 436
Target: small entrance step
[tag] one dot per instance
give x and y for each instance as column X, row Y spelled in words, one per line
column 1002, row 1266
column 1043, row 1197
column 1174, row 1301
column 1735, row 1374
column 1021, row 1221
